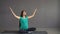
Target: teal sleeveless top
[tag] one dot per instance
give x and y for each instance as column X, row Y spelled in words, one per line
column 23, row 23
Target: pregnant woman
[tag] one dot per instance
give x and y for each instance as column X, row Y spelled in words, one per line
column 23, row 20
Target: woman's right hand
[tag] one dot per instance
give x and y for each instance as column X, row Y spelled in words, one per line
column 10, row 9
column 14, row 13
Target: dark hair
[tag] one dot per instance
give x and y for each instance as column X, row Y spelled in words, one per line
column 22, row 13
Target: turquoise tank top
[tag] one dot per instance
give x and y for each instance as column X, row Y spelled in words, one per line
column 23, row 23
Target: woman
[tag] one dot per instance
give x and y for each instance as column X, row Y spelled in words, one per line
column 23, row 20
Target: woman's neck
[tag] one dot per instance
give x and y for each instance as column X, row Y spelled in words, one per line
column 23, row 16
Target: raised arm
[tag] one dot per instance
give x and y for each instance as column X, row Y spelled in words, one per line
column 14, row 13
column 32, row 14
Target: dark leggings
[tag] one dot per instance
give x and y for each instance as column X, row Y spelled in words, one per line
column 29, row 29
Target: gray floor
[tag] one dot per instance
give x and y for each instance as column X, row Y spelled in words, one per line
column 17, row 32
column 48, row 30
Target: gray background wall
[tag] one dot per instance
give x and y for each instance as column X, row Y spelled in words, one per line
column 46, row 15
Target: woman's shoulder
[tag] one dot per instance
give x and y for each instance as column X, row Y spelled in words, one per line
column 22, row 17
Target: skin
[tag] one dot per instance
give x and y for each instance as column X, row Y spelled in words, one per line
column 24, row 13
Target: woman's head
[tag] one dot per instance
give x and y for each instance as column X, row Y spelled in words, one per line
column 23, row 13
